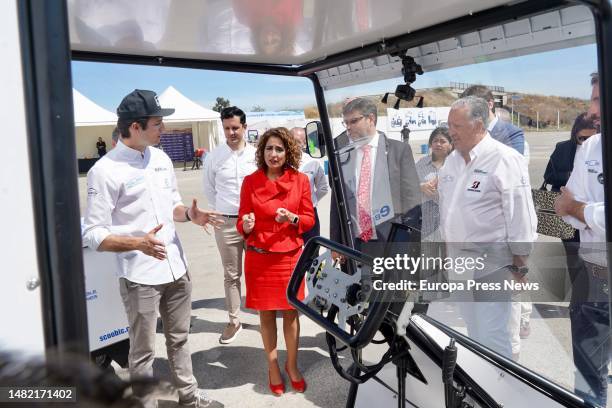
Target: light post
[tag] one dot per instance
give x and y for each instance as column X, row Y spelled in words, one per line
column 512, row 98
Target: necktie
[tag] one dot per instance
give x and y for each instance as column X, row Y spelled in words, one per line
column 364, row 207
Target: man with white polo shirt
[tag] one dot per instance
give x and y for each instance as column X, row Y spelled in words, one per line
column 225, row 168
column 502, row 130
column 582, row 205
column 132, row 205
column 486, row 207
column 316, row 175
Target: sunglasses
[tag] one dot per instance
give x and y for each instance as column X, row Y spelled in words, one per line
column 583, row 138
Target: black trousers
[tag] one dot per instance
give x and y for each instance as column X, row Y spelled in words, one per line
column 590, row 326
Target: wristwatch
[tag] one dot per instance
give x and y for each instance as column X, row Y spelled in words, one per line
column 519, row 270
column 295, row 219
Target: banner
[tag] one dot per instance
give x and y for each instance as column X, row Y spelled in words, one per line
column 416, row 118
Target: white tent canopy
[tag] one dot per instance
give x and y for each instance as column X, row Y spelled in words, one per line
column 186, row 110
column 88, row 113
column 206, row 123
column 93, row 121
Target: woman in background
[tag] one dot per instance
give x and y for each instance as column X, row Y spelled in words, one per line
column 427, row 168
column 558, row 170
column 561, row 161
column 431, row 241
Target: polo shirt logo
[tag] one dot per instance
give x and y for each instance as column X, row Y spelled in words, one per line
column 134, row 182
column 475, row 187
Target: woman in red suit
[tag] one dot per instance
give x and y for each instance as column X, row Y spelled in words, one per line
column 275, row 210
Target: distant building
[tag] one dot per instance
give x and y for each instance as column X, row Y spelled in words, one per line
column 259, row 122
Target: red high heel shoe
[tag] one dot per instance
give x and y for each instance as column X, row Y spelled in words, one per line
column 277, row 389
column 298, row 386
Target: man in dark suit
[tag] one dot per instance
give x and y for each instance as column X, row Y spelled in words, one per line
column 500, row 130
column 380, row 179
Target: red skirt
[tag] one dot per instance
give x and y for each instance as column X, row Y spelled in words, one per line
column 267, row 277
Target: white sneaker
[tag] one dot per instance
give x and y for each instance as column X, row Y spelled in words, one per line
column 201, row 400
column 230, row 333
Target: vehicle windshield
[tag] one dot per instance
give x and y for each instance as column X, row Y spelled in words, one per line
column 497, row 263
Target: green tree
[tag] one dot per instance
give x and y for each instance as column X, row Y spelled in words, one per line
column 258, row 108
column 221, row 103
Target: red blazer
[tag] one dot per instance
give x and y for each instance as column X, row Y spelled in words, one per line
column 263, row 197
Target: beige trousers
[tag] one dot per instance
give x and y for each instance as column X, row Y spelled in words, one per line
column 173, row 300
column 231, row 248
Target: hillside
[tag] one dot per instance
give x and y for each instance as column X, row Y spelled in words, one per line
column 528, row 105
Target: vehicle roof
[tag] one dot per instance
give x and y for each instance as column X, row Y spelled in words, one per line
column 231, row 30
column 343, row 41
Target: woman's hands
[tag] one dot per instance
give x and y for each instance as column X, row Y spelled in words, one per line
column 248, row 222
column 430, row 188
column 284, row 215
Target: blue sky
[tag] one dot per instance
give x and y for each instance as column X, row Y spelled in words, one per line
column 561, row 73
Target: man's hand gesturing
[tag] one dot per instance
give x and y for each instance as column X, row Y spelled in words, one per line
column 204, row 217
column 152, row 246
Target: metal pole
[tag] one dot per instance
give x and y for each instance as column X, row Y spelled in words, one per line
column 558, row 122
column 537, row 121
column 512, row 107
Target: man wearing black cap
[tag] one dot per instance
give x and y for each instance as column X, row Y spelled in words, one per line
column 132, row 205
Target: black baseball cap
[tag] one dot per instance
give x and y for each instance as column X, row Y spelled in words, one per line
column 140, row 104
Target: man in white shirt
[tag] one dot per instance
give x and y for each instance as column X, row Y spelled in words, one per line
column 582, row 205
column 316, row 175
column 486, row 207
column 225, row 168
column 132, row 205
column 502, row 130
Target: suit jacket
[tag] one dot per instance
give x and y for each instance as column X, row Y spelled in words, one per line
column 403, row 178
column 561, row 164
column 263, row 197
column 509, row 135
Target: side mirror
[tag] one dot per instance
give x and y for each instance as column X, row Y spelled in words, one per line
column 314, row 140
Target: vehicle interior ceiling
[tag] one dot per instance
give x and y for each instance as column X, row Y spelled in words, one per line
column 326, row 35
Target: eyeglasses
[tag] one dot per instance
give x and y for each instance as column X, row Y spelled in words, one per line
column 583, row 138
column 352, row 122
